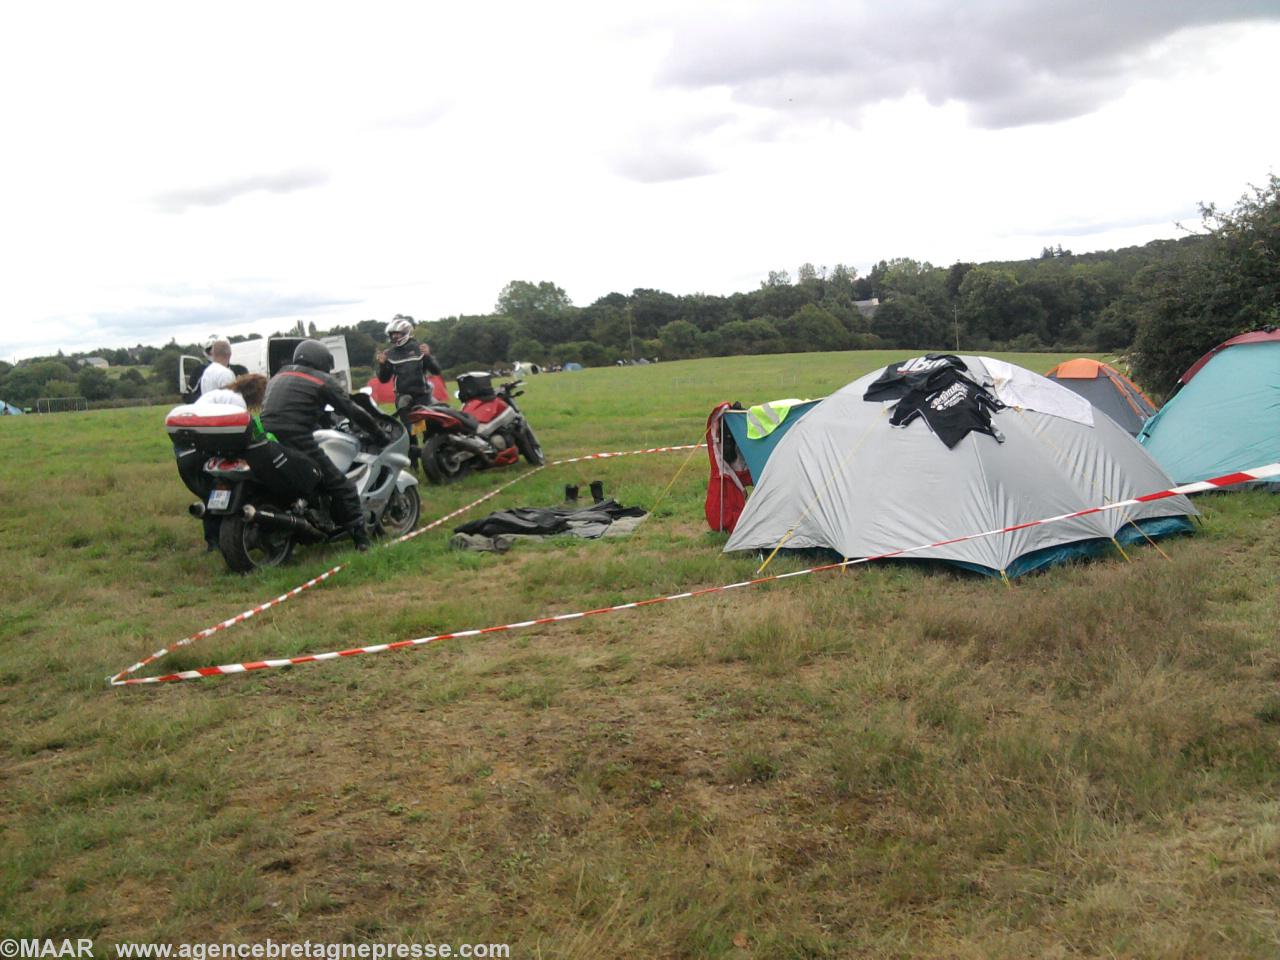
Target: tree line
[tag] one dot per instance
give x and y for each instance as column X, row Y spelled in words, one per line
column 1163, row 304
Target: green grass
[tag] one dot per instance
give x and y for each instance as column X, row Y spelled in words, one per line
column 887, row 762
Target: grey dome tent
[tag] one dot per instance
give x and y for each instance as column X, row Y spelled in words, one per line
column 843, row 479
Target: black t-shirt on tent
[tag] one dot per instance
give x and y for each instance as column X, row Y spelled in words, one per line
column 899, row 379
column 952, row 405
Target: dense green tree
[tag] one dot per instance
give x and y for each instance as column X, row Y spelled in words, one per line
column 997, row 308
column 781, row 300
column 679, row 340
column 1115, row 327
column 527, row 349
column 757, row 335
column 865, row 288
column 59, row 388
column 610, row 325
column 542, row 309
column 707, row 312
column 131, row 384
column 907, row 320
column 955, row 277
column 483, row 339
column 94, row 384
column 1227, row 284
column 813, row 329
column 651, row 310
column 164, row 368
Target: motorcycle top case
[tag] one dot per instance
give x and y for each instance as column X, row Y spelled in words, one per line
column 209, row 428
column 475, row 386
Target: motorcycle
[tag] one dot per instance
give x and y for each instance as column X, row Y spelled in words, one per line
column 489, row 430
column 267, row 496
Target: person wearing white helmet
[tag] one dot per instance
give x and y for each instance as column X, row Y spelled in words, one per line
column 409, row 363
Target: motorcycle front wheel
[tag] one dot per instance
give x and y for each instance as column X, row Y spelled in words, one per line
column 442, row 461
column 402, row 511
column 529, row 446
column 249, row 546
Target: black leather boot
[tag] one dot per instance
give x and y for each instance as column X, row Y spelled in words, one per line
column 360, row 536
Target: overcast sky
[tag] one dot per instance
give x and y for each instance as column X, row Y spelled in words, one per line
column 177, row 169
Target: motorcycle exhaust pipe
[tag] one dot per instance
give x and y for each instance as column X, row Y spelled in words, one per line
column 285, row 521
column 477, row 444
column 197, row 509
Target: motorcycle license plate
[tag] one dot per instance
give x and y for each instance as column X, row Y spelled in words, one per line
column 220, row 499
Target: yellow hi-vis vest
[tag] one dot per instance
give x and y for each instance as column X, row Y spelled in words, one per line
column 764, row 418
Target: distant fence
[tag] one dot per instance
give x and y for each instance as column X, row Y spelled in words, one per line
column 119, row 402
column 61, row 404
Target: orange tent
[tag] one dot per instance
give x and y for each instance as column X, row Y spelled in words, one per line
column 1107, row 389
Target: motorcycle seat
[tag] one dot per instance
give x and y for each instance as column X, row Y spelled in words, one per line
column 467, row 420
column 420, row 411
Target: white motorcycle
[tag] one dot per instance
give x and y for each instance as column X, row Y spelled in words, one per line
column 266, row 495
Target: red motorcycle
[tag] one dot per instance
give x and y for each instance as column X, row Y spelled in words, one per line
column 489, row 430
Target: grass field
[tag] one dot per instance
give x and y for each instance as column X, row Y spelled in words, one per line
column 887, row 762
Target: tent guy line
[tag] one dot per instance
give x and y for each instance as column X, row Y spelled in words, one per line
column 332, row 571
column 1244, row 476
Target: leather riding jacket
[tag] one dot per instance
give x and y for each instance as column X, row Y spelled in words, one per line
column 296, row 398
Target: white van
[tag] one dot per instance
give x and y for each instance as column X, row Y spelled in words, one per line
column 267, row 355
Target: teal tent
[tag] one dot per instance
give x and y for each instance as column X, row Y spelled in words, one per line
column 1225, row 415
column 756, row 452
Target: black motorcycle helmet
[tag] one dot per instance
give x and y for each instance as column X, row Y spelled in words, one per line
column 313, row 354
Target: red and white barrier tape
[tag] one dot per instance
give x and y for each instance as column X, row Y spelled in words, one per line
column 314, row 581
column 625, row 453
column 1244, row 476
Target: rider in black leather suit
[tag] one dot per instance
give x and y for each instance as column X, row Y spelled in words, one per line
column 294, row 407
column 409, row 364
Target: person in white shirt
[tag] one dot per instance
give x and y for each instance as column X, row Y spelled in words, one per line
column 218, row 374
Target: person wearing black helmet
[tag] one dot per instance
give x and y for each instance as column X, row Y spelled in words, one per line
column 294, row 408
column 409, row 363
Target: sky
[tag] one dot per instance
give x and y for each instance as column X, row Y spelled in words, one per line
column 173, row 170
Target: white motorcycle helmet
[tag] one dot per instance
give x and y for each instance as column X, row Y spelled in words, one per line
column 399, row 330
column 207, row 346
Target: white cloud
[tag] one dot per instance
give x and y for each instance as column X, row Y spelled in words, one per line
column 216, row 194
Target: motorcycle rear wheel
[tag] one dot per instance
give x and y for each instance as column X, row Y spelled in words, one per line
column 402, row 512
column 250, row 546
column 442, row 461
column 529, row 446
